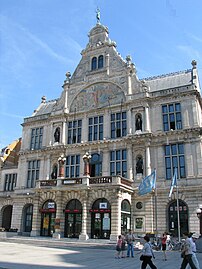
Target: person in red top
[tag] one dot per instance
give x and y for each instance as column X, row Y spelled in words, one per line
column 163, row 243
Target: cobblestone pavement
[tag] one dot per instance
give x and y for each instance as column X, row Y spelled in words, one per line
column 53, row 254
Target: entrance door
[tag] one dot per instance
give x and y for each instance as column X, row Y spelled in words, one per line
column 101, row 219
column 73, row 225
column 47, row 224
column 73, row 219
column 48, row 215
column 101, row 225
column 6, row 217
column 172, row 218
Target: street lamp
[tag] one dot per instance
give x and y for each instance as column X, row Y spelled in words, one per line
column 199, row 215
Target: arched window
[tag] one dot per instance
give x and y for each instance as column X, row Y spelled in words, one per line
column 94, row 63
column 28, row 218
column 100, row 61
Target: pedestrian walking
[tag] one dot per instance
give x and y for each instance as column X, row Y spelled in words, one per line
column 192, row 238
column 163, row 244
column 130, row 248
column 118, row 247
column 187, row 253
column 147, row 254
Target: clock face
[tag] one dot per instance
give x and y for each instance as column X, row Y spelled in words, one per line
column 139, row 205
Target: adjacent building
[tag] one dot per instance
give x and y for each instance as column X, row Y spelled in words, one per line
column 84, row 154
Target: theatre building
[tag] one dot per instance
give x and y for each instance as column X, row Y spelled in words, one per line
column 84, row 154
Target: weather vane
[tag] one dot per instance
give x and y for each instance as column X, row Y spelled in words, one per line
column 98, row 15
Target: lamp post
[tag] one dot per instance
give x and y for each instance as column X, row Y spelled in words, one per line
column 199, row 215
column 61, row 162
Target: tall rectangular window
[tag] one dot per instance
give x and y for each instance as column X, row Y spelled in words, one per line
column 118, row 124
column 95, row 128
column 174, row 158
column 118, row 162
column 72, row 166
column 74, row 131
column 36, row 138
column 172, row 117
column 33, row 173
column 10, row 182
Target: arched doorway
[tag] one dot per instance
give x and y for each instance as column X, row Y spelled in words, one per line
column 172, row 217
column 125, row 216
column 48, row 214
column 95, row 165
column 101, row 219
column 6, row 217
column 73, row 219
column 28, row 215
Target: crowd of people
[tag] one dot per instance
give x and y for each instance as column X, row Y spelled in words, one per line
column 125, row 249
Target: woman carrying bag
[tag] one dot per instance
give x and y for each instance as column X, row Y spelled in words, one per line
column 147, row 254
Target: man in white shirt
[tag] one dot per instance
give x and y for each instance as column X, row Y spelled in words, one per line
column 187, row 251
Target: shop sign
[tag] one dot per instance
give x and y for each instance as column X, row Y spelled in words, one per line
column 103, row 205
column 51, row 205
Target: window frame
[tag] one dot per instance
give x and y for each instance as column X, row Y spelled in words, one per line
column 74, row 131
column 175, row 158
column 171, row 116
column 118, row 162
column 33, row 173
column 118, row 124
column 72, row 166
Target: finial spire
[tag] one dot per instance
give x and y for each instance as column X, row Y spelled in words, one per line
column 98, row 15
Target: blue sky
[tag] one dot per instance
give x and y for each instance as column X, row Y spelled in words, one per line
column 40, row 40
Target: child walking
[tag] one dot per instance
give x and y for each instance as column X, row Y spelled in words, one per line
column 118, row 247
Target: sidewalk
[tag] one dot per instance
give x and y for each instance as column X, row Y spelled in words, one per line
column 31, row 252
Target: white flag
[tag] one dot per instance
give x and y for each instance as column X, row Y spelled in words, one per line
column 173, row 183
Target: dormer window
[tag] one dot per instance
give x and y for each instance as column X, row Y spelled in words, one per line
column 97, row 62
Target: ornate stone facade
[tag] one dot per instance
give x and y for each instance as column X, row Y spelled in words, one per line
column 129, row 127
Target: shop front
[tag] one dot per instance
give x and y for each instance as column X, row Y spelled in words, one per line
column 48, row 215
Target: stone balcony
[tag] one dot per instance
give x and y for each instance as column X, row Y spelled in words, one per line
column 84, row 181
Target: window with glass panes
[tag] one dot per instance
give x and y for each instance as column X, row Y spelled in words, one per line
column 72, row 168
column 118, row 162
column 10, row 182
column 172, row 117
column 36, row 138
column 95, row 128
column 33, row 173
column 28, row 218
column 74, row 131
column 118, row 124
column 175, row 158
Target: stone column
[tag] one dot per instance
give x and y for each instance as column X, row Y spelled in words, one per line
column 36, row 220
column 116, row 216
column 130, row 162
column 107, row 63
column 84, row 235
column 148, row 160
column 129, row 121
column 147, row 122
column 59, row 216
column 64, row 132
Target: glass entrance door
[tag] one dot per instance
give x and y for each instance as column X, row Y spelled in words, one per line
column 47, row 224
column 101, row 225
column 73, row 223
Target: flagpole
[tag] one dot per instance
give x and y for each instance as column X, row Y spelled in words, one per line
column 155, row 197
column 178, row 211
